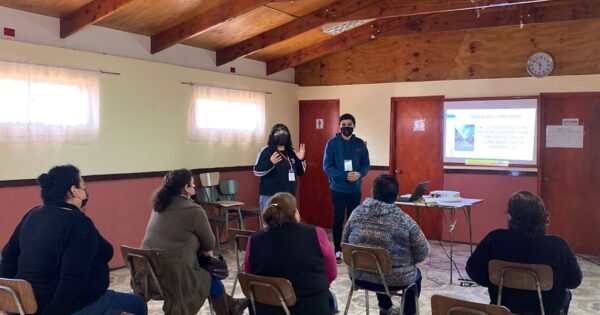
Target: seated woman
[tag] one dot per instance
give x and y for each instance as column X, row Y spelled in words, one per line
column 298, row 252
column 57, row 248
column 525, row 241
column 377, row 222
column 179, row 229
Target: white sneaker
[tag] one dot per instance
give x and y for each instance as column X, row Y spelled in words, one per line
column 338, row 257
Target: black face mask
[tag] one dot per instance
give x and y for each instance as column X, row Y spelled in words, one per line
column 281, row 139
column 85, row 201
column 347, row 131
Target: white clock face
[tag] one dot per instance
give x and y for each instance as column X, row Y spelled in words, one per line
column 540, row 64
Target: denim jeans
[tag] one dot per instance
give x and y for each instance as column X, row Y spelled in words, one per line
column 113, row 303
column 385, row 302
column 216, row 286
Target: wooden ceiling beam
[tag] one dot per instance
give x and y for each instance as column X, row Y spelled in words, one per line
column 298, row 26
column 88, row 15
column 439, row 22
column 345, row 10
column 202, row 23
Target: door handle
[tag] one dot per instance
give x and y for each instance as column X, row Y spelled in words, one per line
column 397, row 171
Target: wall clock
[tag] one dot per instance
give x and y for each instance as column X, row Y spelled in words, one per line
column 540, row 64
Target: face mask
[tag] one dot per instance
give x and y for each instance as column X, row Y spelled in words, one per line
column 281, row 139
column 347, row 131
column 85, row 201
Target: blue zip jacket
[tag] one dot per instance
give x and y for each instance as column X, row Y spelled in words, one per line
column 336, row 151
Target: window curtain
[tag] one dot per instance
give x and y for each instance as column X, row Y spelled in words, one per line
column 48, row 104
column 225, row 115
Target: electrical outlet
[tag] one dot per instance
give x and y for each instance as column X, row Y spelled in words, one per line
column 10, row 32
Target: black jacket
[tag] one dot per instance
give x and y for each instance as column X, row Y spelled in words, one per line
column 274, row 178
column 60, row 252
column 511, row 246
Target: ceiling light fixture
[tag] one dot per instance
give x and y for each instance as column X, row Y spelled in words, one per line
column 340, row 27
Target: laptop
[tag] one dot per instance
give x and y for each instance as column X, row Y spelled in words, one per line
column 419, row 191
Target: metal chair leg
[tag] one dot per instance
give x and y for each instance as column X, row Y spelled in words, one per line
column 367, row 301
column 349, row 300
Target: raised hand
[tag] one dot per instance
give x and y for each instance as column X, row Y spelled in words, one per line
column 300, row 154
column 275, row 158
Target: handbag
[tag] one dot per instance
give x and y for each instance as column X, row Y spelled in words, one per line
column 215, row 265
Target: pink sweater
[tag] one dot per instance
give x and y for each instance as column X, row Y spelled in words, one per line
column 326, row 249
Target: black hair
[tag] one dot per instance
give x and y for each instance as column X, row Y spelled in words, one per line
column 385, row 188
column 348, row 116
column 528, row 215
column 58, row 182
column 289, row 148
column 172, row 185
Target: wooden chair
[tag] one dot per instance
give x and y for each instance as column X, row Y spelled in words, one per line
column 268, row 290
column 513, row 275
column 443, row 305
column 147, row 263
column 373, row 259
column 240, row 241
column 208, row 196
column 16, row 296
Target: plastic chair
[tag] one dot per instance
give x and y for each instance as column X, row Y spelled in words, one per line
column 513, row 275
column 268, row 290
column 240, row 241
column 228, row 190
column 208, row 195
column 443, row 305
column 373, row 259
column 16, row 296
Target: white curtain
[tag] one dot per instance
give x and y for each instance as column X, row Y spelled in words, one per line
column 48, row 104
column 225, row 115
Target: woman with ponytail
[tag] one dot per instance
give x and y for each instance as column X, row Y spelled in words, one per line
column 57, row 248
column 298, row 252
column 179, row 230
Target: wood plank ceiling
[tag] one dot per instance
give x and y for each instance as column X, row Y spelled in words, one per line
column 289, row 33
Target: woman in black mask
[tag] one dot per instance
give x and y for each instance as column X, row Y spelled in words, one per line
column 57, row 248
column 278, row 165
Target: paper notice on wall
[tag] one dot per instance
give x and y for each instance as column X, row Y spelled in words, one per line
column 564, row 136
column 419, row 125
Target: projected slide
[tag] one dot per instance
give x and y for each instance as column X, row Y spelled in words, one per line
column 502, row 131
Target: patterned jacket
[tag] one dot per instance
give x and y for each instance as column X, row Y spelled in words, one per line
column 379, row 224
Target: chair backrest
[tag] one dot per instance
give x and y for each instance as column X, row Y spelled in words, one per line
column 142, row 261
column 367, row 258
column 240, row 238
column 267, row 290
column 228, row 188
column 207, row 194
column 443, row 305
column 209, row 179
column 520, row 276
column 16, row 296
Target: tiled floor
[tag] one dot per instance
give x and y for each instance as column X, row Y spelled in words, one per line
column 435, row 269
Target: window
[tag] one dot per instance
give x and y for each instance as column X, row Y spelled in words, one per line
column 48, row 104
column 226, row 115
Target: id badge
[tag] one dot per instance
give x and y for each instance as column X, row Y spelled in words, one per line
column 348, row 165
column 292, row 176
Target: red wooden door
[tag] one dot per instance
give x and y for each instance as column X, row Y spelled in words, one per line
column 416, row 153
column 570, row 175
column 318, row 124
